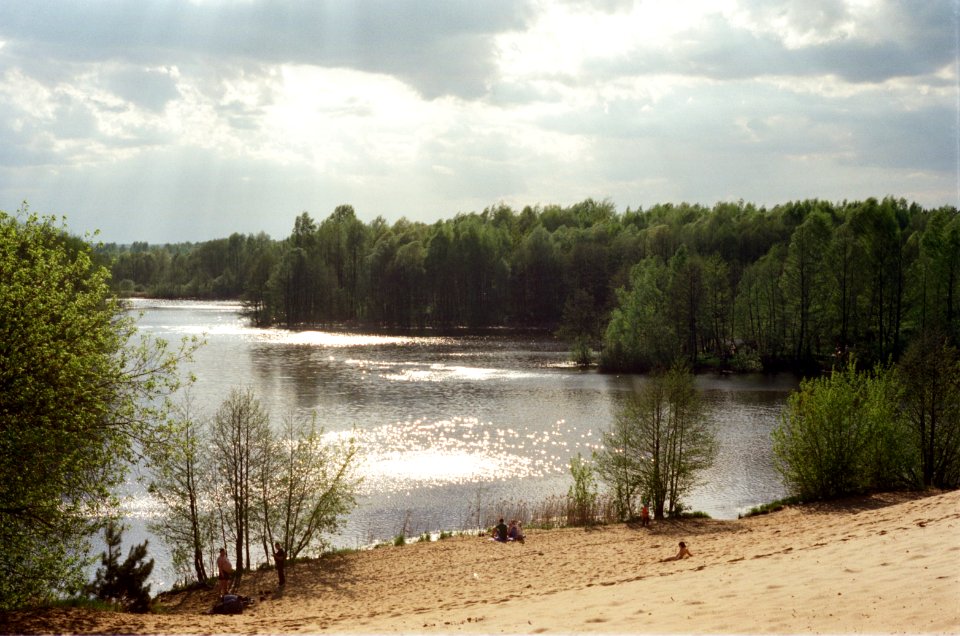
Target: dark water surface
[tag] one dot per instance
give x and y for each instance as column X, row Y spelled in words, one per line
column 448, row 425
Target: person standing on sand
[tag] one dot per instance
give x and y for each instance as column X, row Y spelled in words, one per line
column 645, row 515
column 224, row 570
column 280, row 557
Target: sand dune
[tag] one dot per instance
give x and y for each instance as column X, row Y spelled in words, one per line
column 881, row 564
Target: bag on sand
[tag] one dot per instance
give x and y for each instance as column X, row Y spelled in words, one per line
column 231, row 604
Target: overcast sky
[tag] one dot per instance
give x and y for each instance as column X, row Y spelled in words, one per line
column 172, row 120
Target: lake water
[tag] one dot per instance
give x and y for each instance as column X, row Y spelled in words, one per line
column 450, row 425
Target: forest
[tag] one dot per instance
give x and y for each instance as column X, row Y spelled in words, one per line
column 734, row 286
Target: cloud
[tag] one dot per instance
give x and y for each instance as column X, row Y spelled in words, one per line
column 721, row 48
column 444, row 47
column 149, row 88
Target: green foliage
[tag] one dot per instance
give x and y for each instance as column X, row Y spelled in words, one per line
column 582, row 353
column 80, row 391
column 123, row 583
column 735, row 285
column 310, row 486
column 582, row 493
column 930, row 375
column 658, row 444
column 181, row 476
column 399, row 540
column 637, row 336
column 843, row 434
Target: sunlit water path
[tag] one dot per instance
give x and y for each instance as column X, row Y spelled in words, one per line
column 449, row 425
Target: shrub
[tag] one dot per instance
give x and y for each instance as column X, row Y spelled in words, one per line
column 842, row 434
column 583, row 493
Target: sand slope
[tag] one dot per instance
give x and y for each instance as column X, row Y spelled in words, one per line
column 883, row 564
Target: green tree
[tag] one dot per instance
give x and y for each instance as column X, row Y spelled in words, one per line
column 659, row 443
column 313, row 487
column 803, row 281
column 536, row 279
column 638, row 338
column 878, row 225
column 241, row 436
column 182, row 480
column 80, row 392
column 930, row 374
column 842, row 434
column 760, row 307
column 684, row 300
column 582, row 493
column 123, row 583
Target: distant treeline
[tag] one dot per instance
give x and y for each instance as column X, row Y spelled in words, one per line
column 735, row 285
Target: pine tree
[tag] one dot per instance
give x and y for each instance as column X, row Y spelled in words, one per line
column 123, row 583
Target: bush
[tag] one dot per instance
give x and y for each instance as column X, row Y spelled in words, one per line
column 582, row 494
column 842, row 434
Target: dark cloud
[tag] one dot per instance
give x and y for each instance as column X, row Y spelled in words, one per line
column 444, row 47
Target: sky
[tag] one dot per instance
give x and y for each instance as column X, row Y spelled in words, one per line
column 190, row 120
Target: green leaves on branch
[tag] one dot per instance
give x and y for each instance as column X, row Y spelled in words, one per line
column 79, row 394
column 843, row 434
column 658, row 444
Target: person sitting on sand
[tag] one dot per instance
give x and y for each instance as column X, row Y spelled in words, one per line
column 515, row 531
column 500, row 532
column 682, row 554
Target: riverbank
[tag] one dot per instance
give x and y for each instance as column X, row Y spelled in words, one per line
column 879, row 564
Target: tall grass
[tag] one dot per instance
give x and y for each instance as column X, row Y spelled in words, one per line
column 557, row 511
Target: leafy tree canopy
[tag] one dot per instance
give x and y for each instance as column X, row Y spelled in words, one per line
column 79, row 392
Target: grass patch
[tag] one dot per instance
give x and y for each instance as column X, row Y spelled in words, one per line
column 84, row 603
column 773, row 506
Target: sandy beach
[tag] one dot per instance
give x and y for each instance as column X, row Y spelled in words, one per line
column 887, row 563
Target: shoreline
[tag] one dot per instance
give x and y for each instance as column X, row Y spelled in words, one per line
column 878, row 564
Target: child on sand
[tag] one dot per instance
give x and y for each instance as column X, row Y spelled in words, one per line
column 682, row 554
